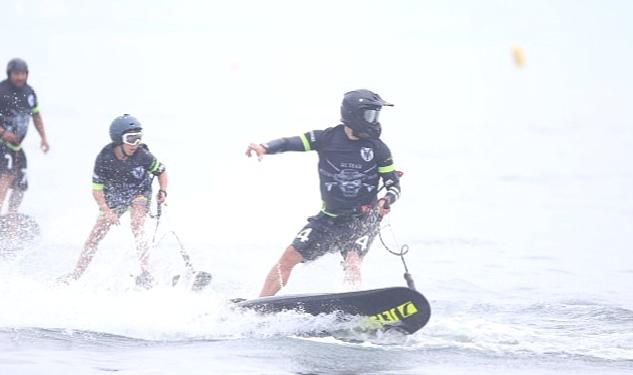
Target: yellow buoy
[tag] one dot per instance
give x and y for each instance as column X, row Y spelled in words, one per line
column 518, row 56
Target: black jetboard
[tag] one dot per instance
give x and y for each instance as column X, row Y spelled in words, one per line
column 395, row 307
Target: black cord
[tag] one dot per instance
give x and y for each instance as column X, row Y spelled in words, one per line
column 404, row 249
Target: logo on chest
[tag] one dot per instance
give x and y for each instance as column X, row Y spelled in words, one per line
column 138, row 172
column 367, row 153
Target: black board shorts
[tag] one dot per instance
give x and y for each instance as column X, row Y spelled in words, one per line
column 326, row 234
column 120, row 206
column 14, row 162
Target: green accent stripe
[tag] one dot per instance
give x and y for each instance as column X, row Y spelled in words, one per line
column 304, row 140
column 325, row 212
column 96, row 186
column 155, row 165
column 387, row 169
column 12, row 146
column 35, row 110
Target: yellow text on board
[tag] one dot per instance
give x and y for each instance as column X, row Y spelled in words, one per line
column 396, row 313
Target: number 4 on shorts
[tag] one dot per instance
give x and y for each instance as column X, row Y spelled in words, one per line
column 304, row 235
column 362, row 241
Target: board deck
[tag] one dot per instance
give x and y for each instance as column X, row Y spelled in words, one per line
column 394, row 307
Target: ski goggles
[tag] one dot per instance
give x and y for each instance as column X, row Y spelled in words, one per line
column 371, row 115
column 132, row 138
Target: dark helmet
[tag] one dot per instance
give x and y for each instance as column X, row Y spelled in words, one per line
column 122, row 125
column 17, row 65
column 359, row 111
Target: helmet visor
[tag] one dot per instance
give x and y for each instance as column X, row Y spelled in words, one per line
column 371, row 115
column 132, row 138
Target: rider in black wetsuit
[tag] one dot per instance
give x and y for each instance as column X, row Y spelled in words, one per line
column 18, row 104
column 122, row 181
column 352, row 161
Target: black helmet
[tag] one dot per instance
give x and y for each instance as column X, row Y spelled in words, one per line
column 359, row 111
column 17, row 65
column 122, row 125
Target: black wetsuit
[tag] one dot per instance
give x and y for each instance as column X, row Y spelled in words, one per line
column 349, row 173
column 122, row 181
column 17, row 105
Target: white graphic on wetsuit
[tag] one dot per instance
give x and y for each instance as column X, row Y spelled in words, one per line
column 138, row 172
column 349, row 181
column 367, row 153
column 31, row 100
column 18, row 123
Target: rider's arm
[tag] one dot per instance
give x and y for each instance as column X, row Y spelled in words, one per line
column 155, row 167
column 39, row 126
column 392, row 184
column 390, row 177
column 100, row 175
column 100, row 199
column 304, row 142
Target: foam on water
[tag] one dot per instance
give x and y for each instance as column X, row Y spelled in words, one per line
column 108, row 310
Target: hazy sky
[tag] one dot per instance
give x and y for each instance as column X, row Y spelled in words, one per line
column 437, row 55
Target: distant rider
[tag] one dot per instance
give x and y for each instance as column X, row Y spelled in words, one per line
column 352, row 160
column 18, row 104
column 122, row 181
